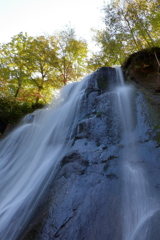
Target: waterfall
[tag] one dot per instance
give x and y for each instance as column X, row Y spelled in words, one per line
column 139, row 203
column 29, row 156
column 104, row 121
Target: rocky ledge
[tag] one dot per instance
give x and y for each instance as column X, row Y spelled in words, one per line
column 143, row 70
column 84, row 200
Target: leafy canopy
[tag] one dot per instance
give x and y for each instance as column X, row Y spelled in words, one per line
column 31, row 68
column 130, row 25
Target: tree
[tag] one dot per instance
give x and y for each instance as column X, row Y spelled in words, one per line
column 72, row 55
column 40, row 59
column 131, row 25
column 32, row 67
column 28, row 67
column 12, row 68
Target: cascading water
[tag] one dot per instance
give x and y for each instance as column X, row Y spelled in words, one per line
column 139, row 202
column 29, row 156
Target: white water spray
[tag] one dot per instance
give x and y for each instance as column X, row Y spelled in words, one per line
column 29, row 156
column 139, row 203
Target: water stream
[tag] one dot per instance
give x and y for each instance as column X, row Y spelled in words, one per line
column 139, row 202
column 29, row 156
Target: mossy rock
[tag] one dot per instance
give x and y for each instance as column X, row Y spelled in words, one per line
column 158, row 137
column 106, row 78
column 102, row 79
column 142, row 67
column 102, row 82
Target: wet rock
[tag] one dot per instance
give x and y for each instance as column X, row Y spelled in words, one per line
column 84, row 200
column 149, row 228
column 143, row 70
column 81, row 194
column 88, row 178
column 105, row 78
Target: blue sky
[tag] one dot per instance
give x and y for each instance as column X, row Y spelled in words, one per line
column 45, row 16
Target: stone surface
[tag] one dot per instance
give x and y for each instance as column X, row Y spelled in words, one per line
column 84, row 200
column 149, row 229
column 143, row 70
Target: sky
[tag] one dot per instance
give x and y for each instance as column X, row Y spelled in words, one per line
column 38, row 17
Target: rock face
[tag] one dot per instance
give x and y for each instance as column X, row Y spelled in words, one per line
column 84, row 201
column 143, row 70
column 150, row 227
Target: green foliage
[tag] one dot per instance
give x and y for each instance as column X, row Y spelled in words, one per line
column 131, row 25
column 12, row 111
column 31, row 68
column 102, row 82
column 96, row 61
column 72, row 56
column 98, row 114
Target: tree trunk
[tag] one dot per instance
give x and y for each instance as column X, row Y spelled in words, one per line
column 17, row 91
